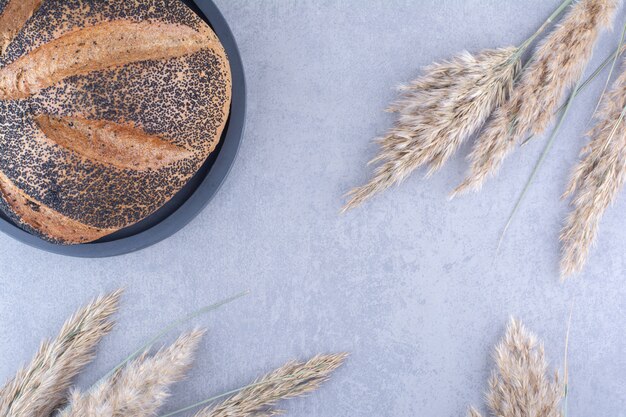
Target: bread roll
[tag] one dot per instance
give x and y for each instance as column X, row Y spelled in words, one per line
column 107, row 109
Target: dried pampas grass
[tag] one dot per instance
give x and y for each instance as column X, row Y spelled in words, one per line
column 597, row 179
column 555, row 67
column 437, row 113
column 41, row 387
column 455, row 99
column 520, row 385
column 291, row 380
column 139, row 386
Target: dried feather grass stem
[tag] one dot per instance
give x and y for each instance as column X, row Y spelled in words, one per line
column 437, row 113
column 141, row 387
column 519, row 386
column 597, row 179
column 41, row 387
column 556, row 66
column 291, row 380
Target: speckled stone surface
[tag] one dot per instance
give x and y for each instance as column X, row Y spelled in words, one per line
column 409, row 283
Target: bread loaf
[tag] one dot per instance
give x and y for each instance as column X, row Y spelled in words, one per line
column 107, row 109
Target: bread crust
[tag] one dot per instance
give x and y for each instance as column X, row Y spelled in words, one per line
column 14, row 15
column 108, row 108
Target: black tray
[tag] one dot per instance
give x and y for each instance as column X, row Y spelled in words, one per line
column 194, row 196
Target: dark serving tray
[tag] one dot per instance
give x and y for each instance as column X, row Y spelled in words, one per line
column 195, row 195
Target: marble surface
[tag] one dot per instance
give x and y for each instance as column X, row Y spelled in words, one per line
column 409, row 283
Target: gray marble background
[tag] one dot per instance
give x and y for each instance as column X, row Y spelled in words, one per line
column 408, row 283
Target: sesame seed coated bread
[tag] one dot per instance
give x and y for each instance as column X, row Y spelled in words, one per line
column 107, row 109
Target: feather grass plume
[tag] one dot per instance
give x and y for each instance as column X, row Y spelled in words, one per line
column 437, row 113
column 139, row 388
column 555, row 67
column 597, row 178
column 41, row 387
column 520, row 385
column 291, row 380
